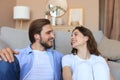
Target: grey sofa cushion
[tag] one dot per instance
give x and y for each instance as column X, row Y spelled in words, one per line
column 3, row 44
column 98, row 35
column 63, row 41
column 15, row 38
column 115, row 69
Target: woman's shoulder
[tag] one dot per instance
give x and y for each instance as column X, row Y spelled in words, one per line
column 68, row 56
column 98, row 58
column 67, row 60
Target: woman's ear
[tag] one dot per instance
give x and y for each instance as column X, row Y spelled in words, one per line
column 86, row 38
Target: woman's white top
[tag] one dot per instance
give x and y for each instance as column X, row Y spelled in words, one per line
column 41, row 69
column 94, row 68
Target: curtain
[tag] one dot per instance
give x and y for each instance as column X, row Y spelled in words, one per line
column 112, row 19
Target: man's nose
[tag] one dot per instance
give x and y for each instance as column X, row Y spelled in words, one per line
column 52, row 35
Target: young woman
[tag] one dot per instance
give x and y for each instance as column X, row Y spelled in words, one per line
column 85, row 62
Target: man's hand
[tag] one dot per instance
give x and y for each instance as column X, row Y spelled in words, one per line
column 6, row 54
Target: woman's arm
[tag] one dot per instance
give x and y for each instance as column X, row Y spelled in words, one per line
column 111, row 77
column 67, row 74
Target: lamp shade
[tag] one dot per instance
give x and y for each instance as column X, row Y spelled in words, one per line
column 21, row 12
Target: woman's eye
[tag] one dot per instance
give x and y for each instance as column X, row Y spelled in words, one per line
column 75, row 34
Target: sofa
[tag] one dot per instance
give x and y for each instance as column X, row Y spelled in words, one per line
column 16, row 38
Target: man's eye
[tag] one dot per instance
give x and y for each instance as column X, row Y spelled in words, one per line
column 48, row 32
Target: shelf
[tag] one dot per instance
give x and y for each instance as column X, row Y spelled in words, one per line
column 63, row 28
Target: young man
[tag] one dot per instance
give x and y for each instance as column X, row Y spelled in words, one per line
column 37, row 61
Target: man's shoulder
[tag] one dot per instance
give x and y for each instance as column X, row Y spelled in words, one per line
column 24, row 51
column 58, row 52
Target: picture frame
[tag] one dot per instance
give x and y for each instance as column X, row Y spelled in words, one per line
column 75, row 17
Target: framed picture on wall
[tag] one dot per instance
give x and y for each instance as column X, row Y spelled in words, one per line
column 75, row 17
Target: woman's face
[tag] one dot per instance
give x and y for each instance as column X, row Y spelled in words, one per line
column 78, row 39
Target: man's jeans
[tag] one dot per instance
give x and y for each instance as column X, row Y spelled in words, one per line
column 9, row 71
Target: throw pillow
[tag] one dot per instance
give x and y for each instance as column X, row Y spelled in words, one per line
column 98, row 35
column 110, row 48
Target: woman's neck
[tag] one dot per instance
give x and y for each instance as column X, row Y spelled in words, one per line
column 83, row 53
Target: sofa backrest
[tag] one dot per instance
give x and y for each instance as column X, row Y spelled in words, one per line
column 63, row 40
column 14, row 38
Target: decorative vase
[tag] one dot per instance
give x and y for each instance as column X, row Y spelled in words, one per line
column 53, row 20
column 59, row 21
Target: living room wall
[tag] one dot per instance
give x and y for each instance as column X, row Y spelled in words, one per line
column 6, row 12
column 91, row 11
column 38, row 8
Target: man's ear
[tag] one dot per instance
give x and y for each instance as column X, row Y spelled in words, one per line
column 37, row 36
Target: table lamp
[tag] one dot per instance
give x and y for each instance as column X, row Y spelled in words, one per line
column 21, row 13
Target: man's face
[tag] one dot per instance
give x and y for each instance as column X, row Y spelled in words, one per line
column 46, row 36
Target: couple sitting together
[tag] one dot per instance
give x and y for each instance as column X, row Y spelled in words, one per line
column 39, row 62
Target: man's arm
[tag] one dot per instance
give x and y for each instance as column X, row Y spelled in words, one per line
column 6, row 54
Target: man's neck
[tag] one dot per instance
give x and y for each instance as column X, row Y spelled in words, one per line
column 36, row 46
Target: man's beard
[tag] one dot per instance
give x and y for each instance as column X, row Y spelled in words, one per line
column 45, row 44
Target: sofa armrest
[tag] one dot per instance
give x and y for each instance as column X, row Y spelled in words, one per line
column 115, row 69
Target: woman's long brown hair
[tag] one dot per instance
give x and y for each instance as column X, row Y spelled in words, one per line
column 91, row 43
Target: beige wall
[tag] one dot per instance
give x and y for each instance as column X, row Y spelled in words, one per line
column 38, row 7
column 91, row 10
column 6, row 12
